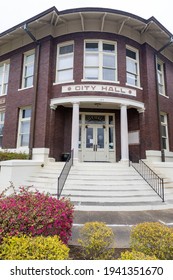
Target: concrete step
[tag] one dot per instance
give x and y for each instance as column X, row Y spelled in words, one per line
column 110, row 187
column 46, row 179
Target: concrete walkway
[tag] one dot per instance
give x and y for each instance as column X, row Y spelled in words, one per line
column 121, row 222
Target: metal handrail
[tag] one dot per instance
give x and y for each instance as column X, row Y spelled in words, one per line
column 155, row 182
column 64, row 173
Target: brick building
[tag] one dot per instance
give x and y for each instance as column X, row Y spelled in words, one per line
column 95, row 80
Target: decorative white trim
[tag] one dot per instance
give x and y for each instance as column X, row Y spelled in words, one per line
column 100, row 88
column 100, row 99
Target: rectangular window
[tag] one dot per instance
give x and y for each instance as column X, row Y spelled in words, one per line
column 65, row 59
column 132, row 67
column 164, row 131
column 100, row 61
column 4, row 77
column 24, row 127
column 160, row 76
column 28, row 69
column 2, row 117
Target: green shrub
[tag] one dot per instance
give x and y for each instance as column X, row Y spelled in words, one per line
column 33, row 248
column 134, row 255
column 153, row 239
column 96, row 239
column 9, row 156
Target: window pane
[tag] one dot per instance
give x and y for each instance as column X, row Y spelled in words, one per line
column 108, row 48
column 25, row 126
column 91, row 46
column 80, row 133
column 24, row 140
column 91, row 73
column 89, row 137
column 109, row 61
column 26, row 113
column 131, row 54
column 164, row 141
column 131, row 79
column 29, row 58
column 65, row 62
column 111, row 142
column 163, row 129
column 100, row 138
column 91, row 60
column 1, row 129
column 29, row 70
column 65, row 75
column 109, row 74
column 66, row 49
column 110, row 119
column 28, row 82
column 162, row 118
column 131, row 66
column 94, row 119
column 2, row 117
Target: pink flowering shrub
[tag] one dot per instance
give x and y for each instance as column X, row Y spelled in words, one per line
column 34, row 213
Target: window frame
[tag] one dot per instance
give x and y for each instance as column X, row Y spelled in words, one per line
column 58, row 55
column 20, row 121
column 137, row 75
column 161, row 76
column 25, row 65
column 165, row 125
column 100, row 67
column 2, row 120
column 4, row 84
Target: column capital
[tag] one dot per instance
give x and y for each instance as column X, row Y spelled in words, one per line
column 141, row 110
column 123, row 105
column 76, row 103
column 53, row 107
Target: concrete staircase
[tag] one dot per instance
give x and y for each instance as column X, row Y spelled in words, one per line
column 111, row 187
column 46, row 179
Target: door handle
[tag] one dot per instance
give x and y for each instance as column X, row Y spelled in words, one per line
column 95, row 148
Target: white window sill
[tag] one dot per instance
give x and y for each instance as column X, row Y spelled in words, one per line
column 20, row 89
column 164, row 95
column 100, row 81
column 137, row 87
column 1, row 95
column 64, row 82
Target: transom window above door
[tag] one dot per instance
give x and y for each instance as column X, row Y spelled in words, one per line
column 100, row 60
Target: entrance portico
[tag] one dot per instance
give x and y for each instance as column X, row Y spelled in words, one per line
column 92, row 141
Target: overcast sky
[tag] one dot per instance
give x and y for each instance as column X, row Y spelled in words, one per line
column 13, row 12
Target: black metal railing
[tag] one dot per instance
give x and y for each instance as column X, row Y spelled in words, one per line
column 64, row 173
column 155, row 182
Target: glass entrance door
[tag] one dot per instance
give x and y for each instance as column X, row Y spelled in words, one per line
column 95, row 143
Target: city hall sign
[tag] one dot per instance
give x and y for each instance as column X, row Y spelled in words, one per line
column 98, row 88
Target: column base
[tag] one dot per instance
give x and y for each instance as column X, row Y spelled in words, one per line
column 124, row 162
column 75, row 161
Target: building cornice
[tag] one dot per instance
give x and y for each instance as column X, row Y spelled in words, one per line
column 57, row 23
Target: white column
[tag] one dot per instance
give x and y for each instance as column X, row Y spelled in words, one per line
column 124, row 134
column 75, row 131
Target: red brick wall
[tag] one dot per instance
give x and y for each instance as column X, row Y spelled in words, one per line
column 60, row 136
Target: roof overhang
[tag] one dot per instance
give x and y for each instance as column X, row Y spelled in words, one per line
column 95, row 102
column 56, row 23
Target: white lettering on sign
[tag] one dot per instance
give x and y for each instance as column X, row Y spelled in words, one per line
column 100, row 88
